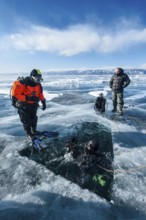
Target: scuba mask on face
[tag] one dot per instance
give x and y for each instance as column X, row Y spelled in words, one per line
column 36, row 76
column 37, row 79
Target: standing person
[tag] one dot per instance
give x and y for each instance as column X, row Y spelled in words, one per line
column 26, row 93
column 100, row 103
column 118, row 82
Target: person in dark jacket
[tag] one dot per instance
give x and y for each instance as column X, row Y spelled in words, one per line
column 26, row 93
column 100, row 103
column 118, row 82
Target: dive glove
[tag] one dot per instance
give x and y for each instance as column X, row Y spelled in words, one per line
column 44, row 104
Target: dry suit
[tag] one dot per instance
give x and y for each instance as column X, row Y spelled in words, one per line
column 25, row 95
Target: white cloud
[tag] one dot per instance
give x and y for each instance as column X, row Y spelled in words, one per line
column 74, row 39
column 122, row 39
column 71, row 41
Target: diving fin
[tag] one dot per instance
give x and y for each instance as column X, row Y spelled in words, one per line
column 38, row 144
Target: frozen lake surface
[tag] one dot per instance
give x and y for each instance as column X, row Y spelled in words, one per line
column 31, row 189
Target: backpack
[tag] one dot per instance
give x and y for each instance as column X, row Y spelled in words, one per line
column 12, row 97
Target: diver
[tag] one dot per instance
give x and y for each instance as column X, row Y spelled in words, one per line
column 91, row 167
column 26, row 93
column 97, row 164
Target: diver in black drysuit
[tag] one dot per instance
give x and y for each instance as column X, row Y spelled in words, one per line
column 93, row 170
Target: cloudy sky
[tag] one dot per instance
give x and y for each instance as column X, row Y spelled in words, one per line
column 72, row 34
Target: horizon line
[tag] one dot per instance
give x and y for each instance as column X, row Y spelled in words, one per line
column 110, row 68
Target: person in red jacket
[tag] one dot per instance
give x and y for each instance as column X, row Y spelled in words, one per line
column 26, row 93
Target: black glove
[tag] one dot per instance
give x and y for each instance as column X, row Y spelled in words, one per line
column 44, row 104
column 20, row 105
column 32, row 98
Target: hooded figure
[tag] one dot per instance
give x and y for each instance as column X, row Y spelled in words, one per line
column 100, row 103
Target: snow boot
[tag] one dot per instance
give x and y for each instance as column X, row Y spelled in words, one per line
column 115, row 108
column 120, row 110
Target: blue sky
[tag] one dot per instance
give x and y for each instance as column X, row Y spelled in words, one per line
column 72, row 34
